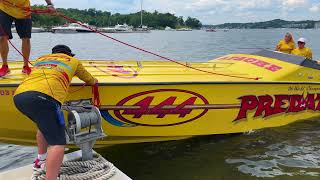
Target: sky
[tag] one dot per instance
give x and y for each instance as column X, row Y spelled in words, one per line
column 207, row 11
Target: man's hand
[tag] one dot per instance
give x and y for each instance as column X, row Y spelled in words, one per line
column 51, row 8
column 95, row 80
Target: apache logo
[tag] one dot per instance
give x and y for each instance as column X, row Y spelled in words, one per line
column 265, row 106
column 159, row 108
column 116, row 70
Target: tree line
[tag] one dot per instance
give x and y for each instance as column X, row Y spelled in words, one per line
column 103, row 18
column 276, row 23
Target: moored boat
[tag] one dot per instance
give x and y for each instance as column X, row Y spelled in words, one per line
column 184, row 29
column 156, row 100
column 211, row 30
column 169, row 29
column 71, row 28
column 119, row 28
column 33, row 30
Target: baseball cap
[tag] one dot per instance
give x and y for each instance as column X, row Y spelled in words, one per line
column 302, row 40
column 62, row 49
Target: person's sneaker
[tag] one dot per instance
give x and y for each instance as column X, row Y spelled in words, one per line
column 4, row 70
column 26, row 70
column 38, row 163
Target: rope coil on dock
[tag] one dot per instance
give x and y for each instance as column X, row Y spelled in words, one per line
column 98, row 168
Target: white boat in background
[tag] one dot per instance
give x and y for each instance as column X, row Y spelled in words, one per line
column 184, row 29
column 71, row 28
column 107, row 29
column 124, row 28
column 119, row 28
column 38, row 30
column 142, row 29
column 34, row 30
column 169, row 29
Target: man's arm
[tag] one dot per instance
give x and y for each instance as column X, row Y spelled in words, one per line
column 49, row 2
column 84, row 75
column 50, row 5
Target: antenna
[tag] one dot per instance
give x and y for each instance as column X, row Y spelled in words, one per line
column 141, row 13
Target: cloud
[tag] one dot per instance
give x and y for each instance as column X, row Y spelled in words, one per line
column 315, row 8
column 294, row 2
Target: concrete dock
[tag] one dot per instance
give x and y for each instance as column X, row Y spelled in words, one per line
column 25, row 173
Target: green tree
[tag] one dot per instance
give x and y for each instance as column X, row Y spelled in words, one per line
column 103, row 18
column 193, row 23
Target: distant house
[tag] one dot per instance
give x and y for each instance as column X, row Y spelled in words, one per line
column 317, row 25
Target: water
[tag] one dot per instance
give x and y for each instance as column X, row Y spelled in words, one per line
column 290, row 152
column 188, row 46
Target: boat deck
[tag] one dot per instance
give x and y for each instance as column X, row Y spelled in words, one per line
column 144, row 71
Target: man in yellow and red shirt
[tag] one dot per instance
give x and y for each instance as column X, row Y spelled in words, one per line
column 17, row 11
column 40, row 97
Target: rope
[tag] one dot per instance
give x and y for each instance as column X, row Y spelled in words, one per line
column 98, row 168
column 96, row 96
column 47, row 11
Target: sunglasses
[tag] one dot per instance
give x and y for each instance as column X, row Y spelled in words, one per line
column 301, row 43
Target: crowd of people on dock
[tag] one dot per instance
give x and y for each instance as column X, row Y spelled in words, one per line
column 287, row 45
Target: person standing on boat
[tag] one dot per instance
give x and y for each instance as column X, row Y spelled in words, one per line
column 287, row 44
column 302, row 50
column 40, row 96
column 17, row 11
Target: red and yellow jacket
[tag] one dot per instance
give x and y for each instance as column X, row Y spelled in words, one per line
column 52, row 75
column 19, row 9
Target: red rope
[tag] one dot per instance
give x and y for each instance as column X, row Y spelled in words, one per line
column 48, row 11
column 41, row 11
column 149, row 52
column 95, row 88
column 96, row 95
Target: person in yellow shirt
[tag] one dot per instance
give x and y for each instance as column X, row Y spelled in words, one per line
column 17, row 11
column 302, row 50
column 287, row 44
column 40, row 96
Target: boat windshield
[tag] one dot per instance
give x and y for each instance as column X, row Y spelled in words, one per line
column 302, row 61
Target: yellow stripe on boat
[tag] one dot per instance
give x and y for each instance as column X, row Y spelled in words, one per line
column 156, row 100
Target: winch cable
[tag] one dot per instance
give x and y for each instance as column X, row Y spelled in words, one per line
column 47, row 11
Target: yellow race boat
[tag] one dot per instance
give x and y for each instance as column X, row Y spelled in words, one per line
column 156, row 100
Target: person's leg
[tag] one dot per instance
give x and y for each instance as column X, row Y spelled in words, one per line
column 54, row 161
column 26, row 48
column 42, row 143
column 24, row 27
column 4, row 49
column 54, row 134
column 5, row 34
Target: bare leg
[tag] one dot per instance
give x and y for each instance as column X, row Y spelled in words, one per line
column 42, row 143
column 4, row 49
column 54, row 161
column 26, row 48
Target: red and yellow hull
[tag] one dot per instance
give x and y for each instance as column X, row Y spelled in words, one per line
column 156, row 101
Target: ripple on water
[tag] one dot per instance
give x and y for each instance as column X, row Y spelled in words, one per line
column 300, row 156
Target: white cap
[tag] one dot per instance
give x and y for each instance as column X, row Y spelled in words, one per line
column 302, row 40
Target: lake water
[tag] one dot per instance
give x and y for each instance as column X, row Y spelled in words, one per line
column 290, row 152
